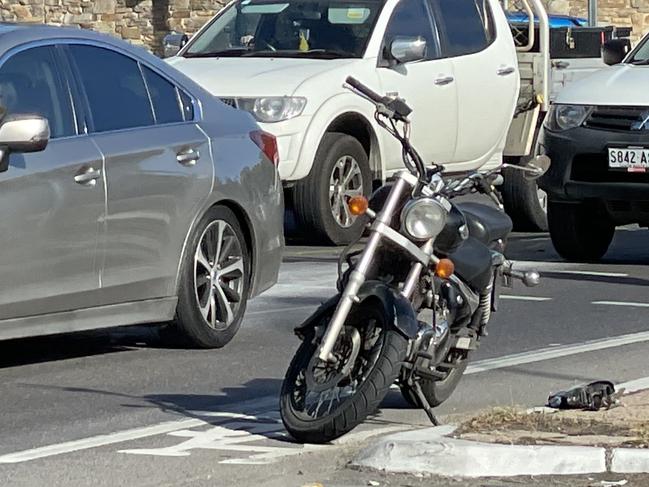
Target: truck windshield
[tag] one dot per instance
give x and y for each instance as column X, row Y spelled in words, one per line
column 322, row 29
column 641, row 55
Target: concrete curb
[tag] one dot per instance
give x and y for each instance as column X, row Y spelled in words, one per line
column 429, row 451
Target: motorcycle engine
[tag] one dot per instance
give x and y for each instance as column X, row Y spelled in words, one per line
column 432, row 343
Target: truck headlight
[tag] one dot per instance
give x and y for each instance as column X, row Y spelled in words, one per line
column 270, row 109
column 423, row 218
column 566, row 117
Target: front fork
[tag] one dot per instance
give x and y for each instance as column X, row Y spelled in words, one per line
column 380, row 229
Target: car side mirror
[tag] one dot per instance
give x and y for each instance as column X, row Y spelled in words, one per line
column 615, row 50
column 22, row 133
column 408, row 49
column 173, row 43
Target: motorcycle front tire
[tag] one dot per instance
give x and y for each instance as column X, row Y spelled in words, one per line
column 356, row 408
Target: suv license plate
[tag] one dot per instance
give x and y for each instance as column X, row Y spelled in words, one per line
column 632, row 159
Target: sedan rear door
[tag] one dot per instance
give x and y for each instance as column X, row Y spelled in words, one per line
column 158, row 169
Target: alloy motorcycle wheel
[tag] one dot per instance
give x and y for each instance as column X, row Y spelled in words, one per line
column 321, row 402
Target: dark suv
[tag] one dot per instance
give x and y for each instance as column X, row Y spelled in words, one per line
column 597, row 136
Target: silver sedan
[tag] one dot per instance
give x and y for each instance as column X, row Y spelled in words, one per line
column 128, row 194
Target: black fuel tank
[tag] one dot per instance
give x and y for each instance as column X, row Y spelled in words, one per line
column 451, row 237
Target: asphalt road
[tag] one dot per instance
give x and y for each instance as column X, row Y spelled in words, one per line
column 119, row 408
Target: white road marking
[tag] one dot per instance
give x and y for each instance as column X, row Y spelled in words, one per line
column 592, row 273
column 524, row 298
column 123, row 436
column 261, row 409
column 634, row 385
column 623, row 303
column 555, row 352
column 96, row 441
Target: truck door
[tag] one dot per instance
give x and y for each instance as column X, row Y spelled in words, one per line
column 477, row 39
column 428, row 85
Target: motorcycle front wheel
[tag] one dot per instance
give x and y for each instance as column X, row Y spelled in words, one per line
column 320, row 401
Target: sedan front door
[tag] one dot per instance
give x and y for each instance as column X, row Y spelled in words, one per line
column 52, row 203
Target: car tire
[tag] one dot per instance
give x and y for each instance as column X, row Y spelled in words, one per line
column 214, row 281
column 578, row 232
column 525, row 202
column 322, row 192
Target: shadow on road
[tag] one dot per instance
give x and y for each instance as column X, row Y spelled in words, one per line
column 629, row 247
column 26, row 351
column 627, row 281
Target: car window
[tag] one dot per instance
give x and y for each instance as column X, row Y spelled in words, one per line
column 164, row 96
column 30, row 82
column 322, row 29
column 412, row 19
column 468, row 25
column 188, row 105
column 115, row 89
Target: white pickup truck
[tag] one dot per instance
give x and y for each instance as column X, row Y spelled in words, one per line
column 285, row 61
column 454, row 61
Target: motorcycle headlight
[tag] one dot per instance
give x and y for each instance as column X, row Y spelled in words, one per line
column 272, row 109
column 566, row 117
column 424, row 218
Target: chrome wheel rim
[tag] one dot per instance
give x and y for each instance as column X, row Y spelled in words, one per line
column 345, row 182
column 219, row 275
column 313, row 405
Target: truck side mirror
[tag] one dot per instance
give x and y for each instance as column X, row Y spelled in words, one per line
column 615, row 50
column 408, row 49
column 173, row 43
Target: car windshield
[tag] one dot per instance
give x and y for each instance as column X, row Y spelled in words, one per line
column 298, row 28
column 641, row 55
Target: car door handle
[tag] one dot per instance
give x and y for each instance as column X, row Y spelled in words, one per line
column 88, row 176
column 188, row 157
column 444, row 80
column 506, row 70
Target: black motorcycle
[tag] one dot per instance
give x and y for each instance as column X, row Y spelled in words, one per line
column 412, row 304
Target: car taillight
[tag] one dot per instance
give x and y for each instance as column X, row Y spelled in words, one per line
column 267, row 143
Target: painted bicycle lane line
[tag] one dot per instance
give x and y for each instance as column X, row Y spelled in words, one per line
column 253, row 430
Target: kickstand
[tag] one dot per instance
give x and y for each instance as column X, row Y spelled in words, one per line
column 424, row 403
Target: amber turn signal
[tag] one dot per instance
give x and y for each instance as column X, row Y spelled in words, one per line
column 358, row 205
column 444, row 268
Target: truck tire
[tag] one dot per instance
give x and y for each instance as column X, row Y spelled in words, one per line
column 525, row 202
column 578, row 234
column 340, row 170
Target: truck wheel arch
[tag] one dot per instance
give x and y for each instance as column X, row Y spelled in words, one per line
column 345, row 115
column 357, row 126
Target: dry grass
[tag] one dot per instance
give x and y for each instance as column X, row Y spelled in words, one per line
column 524, row 425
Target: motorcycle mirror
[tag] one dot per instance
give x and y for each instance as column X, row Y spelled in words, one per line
column 533, row 169
column 539, row 166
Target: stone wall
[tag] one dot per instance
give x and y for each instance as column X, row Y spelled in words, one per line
column 143, row 22
column 622, row 13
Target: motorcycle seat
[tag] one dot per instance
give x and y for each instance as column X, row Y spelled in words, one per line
column 486, row 223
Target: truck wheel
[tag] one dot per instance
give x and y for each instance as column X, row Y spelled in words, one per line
column 340, row 171
column 525, row 202
column 577, row 233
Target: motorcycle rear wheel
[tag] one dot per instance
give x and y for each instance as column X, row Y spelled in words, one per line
column 375, row 369
column 436, row 391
